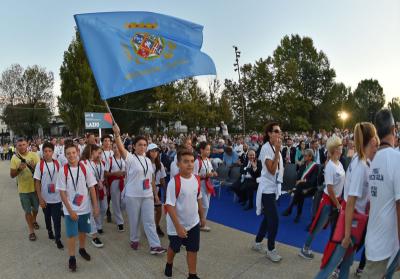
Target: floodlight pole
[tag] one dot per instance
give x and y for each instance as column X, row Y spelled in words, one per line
column 237, row 68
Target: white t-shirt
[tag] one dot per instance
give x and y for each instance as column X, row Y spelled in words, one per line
column 116, row 165
column 206, row 167
column 159, row 174
column 186, row 205
column 174, row 169
column 81, row 147
column 49, row 176
column 138, row 168
column 384, row 184
column 106, row 154
column 270, row 183
column 65, row 184
column 97, row 170
column 335, row 176
column 356, row 183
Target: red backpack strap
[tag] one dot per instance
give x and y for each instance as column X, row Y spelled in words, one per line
column 55, row 162
column 83, row 168
column 200, row 163
column 199, row 185
column 41, row 167
column 177, row 185
column 66, row 173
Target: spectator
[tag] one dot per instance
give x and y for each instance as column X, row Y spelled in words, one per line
column 300, row 154
column 243, row 157
column 306, row 184
column 289, row 152
column 230, row 158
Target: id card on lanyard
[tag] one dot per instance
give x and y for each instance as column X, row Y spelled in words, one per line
column 51, row 187
column 146, row 181
column 78, row 198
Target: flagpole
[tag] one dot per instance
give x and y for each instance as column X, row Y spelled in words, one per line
column 108, row 108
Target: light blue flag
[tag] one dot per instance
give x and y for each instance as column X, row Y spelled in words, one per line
column 131, row 51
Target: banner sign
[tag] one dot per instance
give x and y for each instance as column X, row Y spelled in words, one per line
column 95, row 120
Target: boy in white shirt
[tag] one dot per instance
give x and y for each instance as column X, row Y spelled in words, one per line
column 45, row 176
column 382, row 239
column 185, row 213
column 75, row 184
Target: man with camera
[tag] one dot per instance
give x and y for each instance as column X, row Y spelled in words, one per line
column 22, row 167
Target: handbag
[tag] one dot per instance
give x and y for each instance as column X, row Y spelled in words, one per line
column 358, row 225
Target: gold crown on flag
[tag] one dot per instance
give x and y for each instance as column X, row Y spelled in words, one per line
column 132, row 25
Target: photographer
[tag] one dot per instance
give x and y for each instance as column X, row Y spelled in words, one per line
column 22, row 167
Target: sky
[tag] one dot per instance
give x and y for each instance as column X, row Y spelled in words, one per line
column 360, row 37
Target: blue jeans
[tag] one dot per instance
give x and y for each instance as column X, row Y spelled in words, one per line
column 322, row 221
column 338, row 257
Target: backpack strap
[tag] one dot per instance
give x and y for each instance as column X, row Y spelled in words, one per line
column 55, row 162
column 200, row 163
column 41, row 167
column 110, row 164
column 66, row 173
column 177, row 179
column 199, row 185
column 83, row 168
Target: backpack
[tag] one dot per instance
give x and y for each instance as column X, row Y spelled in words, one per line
column 177, row 179
column 81, row 165
column 41, row 167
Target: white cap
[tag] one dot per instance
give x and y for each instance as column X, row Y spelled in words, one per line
column 152, row 146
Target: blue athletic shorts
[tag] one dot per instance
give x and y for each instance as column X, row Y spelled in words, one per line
column 81, row 225
column 192, row 242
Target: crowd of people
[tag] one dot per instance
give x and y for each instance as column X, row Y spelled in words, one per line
column 89, row 180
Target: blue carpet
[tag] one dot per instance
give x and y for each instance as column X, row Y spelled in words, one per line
column 224, row 211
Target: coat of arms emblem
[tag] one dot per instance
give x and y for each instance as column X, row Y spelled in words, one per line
column 147, row 45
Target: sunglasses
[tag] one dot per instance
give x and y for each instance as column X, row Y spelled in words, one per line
column 276, row 131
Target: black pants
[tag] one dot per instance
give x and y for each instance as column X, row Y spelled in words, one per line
column 299, row 196
column 270, row 222
column 53, row 211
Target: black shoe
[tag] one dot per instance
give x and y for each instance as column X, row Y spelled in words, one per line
column 97, row 242
column 72, row 264
column 51, row 234
column 59, row 244
column 160, row 232
column 287, row 212
column 100, row 231
column 297, row 219
column 84, row 254
column 193, row 276
column 121, row 228
column 168, row 270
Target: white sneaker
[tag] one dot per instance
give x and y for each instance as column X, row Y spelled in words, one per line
column 274, row 256
column 258, row 246
column 90, row 235
column 205, row 229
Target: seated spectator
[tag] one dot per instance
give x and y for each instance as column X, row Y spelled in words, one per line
column 306, row 184
column 300, row 154
column 218, row 150
column 247, row 184
column 289, row 152
column 230, row 157
column 243, row 158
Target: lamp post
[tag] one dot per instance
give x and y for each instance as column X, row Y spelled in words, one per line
column 237, row 69
column 343, row 116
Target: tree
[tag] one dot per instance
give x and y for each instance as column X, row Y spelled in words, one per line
column 369, row 99
column 79, row 93
column 29, row 98
column 394, row 107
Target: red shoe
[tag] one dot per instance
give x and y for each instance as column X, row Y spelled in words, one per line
column 134, row 245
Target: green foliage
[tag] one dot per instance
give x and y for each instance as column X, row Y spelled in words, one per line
column 394, row 106
column 28, row 98
column 369, row 99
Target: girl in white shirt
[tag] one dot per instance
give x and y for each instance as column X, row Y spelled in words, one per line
column 331, row 198
column 115, row 173
column 204, row 169
column 153, row 153
column 139, row 193
column 356, row 198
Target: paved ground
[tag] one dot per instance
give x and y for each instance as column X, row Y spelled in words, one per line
column 224, row 252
